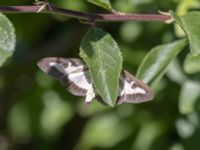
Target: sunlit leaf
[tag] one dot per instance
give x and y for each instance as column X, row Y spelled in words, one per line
column 176, row 146
column 55, row 114
column 130, row 31
column 182, row 9
column 184, row 128
column 102, row 54
column 157, row 60
column 7, row 39
column 190, row 24
column 185, row 5
column 124, row 6
column 190, row 93
column 193, row 118
column 102, row 3
column 141, row 2
column 192, row 64
column 103, row 131
column 151, row 130
column 177, row 27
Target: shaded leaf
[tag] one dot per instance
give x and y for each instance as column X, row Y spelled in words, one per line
column 7, row 39
column 102, row 54
column 102, row 3
column 157, row 60
column 188, row 96
column 192, row 64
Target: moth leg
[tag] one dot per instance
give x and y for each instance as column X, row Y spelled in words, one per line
column 90, row 95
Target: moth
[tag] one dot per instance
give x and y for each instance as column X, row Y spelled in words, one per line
column 74, row 76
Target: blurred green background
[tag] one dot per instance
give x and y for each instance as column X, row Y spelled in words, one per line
column 37, row 113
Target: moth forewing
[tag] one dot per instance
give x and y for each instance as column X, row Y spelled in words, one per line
column 133, row 90
column 45, row 64
column 72, row 73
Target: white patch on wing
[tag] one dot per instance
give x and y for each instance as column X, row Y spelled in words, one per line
column 77, row 76
column 73, row 69
column 128, row 89
column 90, row 95
column 70, row 68
column 80, row 80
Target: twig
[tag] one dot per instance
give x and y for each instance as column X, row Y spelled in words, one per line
column 111, row 17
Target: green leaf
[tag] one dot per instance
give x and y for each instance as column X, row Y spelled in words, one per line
column 190, row 93
column 191, row 27
column 102, row 54
column 191, row 64
column 179, row 26
column 157, row 60
column 99, row 131
column 102, row 3
column 190, row 24
column 7, row 39
column 176, row 18
column 185, row 5
column 185, row 128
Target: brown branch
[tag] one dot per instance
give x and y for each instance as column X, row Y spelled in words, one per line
column 85, row 16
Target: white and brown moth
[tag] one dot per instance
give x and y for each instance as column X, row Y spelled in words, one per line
column 74, row 75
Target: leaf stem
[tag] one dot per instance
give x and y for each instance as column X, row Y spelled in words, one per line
column 109, row 17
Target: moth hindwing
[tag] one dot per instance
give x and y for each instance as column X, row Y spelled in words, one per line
column 74, row 75
column 133, row 90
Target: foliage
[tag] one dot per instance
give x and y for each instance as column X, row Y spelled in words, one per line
column 156, row 62
column 189, row 24
column 103, row 56
column 37, row 113
column 7, row 39
column 102, row 3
